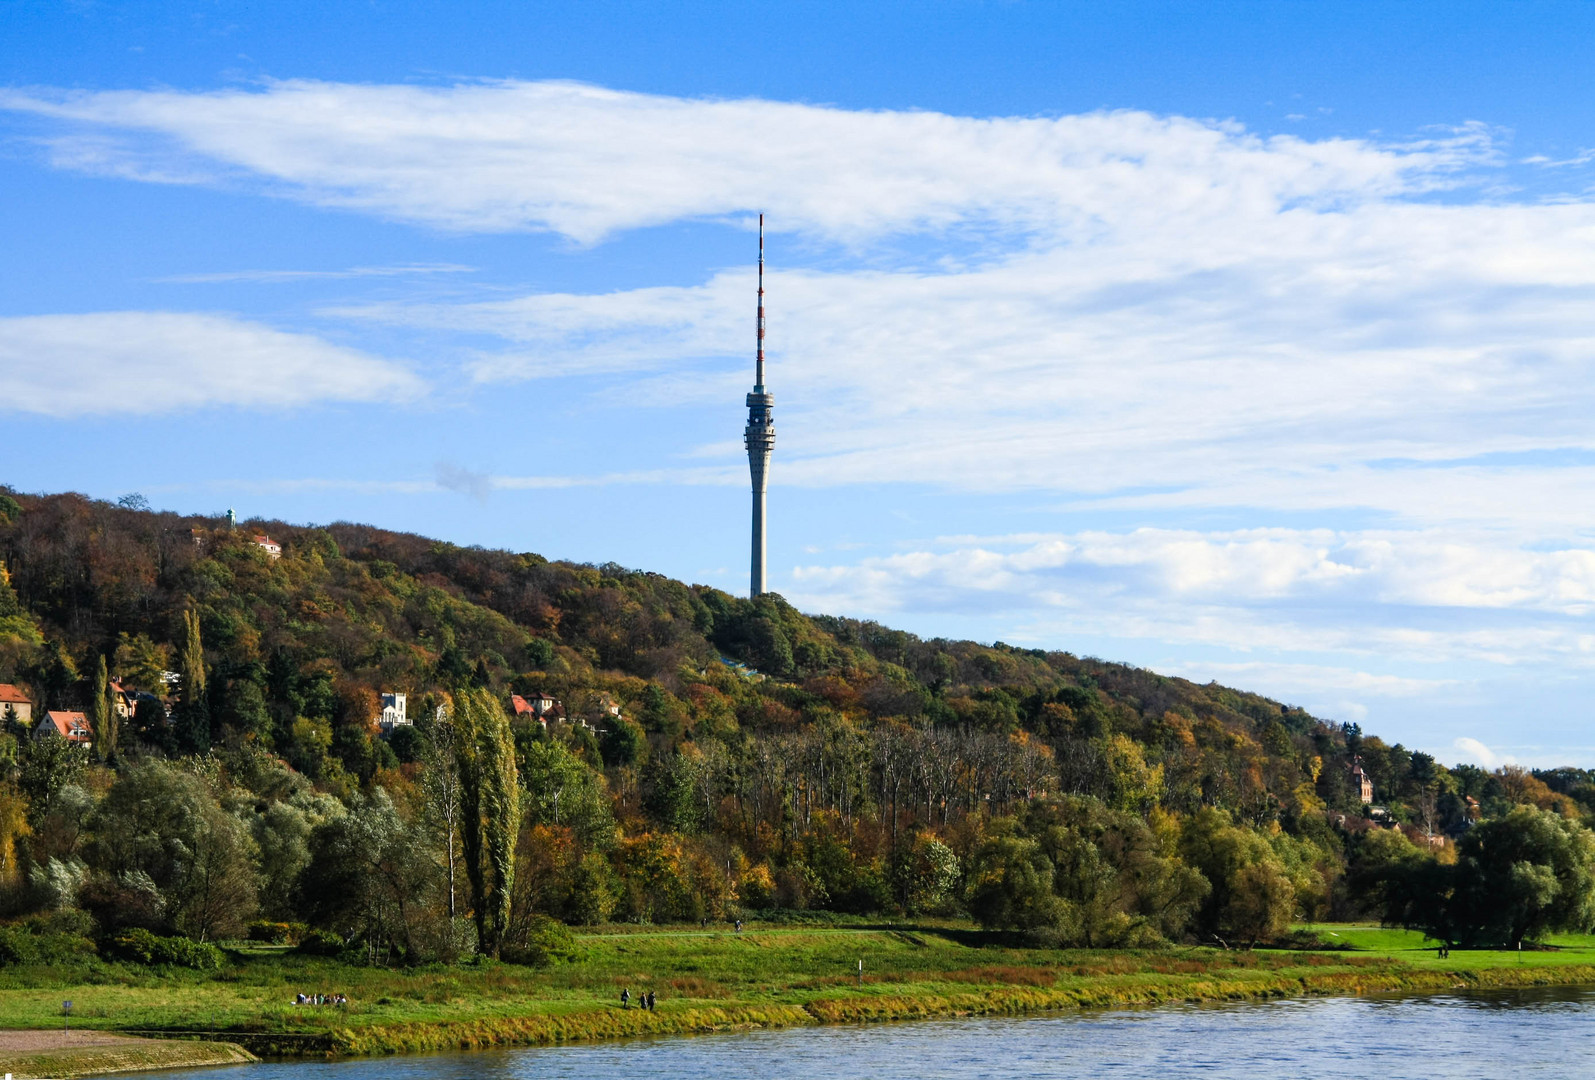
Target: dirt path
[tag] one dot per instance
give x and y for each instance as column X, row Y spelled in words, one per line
column 39, row 1041
column 53, row 1052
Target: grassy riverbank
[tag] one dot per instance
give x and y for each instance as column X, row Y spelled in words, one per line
column 710, row 980
column 58, row 1053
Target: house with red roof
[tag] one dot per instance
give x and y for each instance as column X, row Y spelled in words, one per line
column 540, row 707
column 74, row 727
column 16, row 699
column 268, row 545
column 124, row 699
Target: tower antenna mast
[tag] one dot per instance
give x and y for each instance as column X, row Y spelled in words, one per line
column 758, row 380
column 759, row 437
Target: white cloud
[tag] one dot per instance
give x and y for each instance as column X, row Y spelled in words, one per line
column 1159, row 312
column 1428, row 597
column 1290, row 359
column 1319, row 679
column 1482, row 754
column 1431, row 569
column 270, row 276
column 586, row 161
column 130, row 362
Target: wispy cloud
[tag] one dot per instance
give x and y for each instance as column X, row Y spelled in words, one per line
column 1170, row 313
column 1481, row 754
column 585, row 161
column 266, row 277
column 1583, row 157
column 1279, row 362
column 1429, row 597
column 131, row 362
column 1320, row 679
column 453, row 477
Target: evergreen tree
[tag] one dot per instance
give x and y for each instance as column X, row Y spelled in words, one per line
column 113, row 721
column 101, row 712
column 57, row 675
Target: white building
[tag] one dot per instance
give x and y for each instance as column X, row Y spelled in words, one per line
column 392, row 712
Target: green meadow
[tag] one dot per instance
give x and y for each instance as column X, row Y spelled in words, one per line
column 1411, row 946
column 716, row 979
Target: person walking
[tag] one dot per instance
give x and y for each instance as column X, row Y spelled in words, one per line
column 651, row 1000
column 625, row 998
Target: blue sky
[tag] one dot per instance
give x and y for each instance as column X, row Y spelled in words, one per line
column 1241, row 341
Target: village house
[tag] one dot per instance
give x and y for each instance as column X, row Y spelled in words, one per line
column 13, row 697
column 393, row 712
column 539, row 706
column 123, row 700
column 1361, row 782
column 522, row 708
column 272, row 549
column 74, row 727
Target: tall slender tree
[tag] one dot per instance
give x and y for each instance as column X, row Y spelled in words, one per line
column 440, row 781
column 193, row 727
column 490, row 810
column 101, row 714
column 113, row 720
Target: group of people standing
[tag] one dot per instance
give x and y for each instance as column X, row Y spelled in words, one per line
column 321, row 999
column 644, row 1000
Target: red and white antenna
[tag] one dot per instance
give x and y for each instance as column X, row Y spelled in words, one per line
column 759, row 381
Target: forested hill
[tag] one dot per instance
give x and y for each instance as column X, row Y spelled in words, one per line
column 712, row 754
column 350, row 611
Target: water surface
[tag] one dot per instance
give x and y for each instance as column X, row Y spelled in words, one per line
column 1546, row 1032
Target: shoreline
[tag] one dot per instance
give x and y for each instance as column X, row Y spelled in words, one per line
column 708, row 983
column 31, row 1054
column 608, row 1024
column 108, row 1053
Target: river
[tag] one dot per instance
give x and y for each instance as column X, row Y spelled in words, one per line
column 1486, row 1036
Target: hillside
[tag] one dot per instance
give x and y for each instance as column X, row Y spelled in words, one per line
column 832, row 764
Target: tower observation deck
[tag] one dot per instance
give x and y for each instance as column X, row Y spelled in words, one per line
column 759, row 437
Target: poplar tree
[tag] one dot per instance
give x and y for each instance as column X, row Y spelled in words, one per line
column 194, row 721
column 113, row 720
column 490, row 810
column 100, row 717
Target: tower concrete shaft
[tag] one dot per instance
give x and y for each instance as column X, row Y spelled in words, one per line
column 759, row 437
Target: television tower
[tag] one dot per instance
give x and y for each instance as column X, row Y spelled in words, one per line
column 759, row 436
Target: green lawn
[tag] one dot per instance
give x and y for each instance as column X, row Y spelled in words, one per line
column 706, row 979
column 784, row 965
column 1413, row 947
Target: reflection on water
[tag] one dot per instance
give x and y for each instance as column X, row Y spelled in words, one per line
column 1523, row 1033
